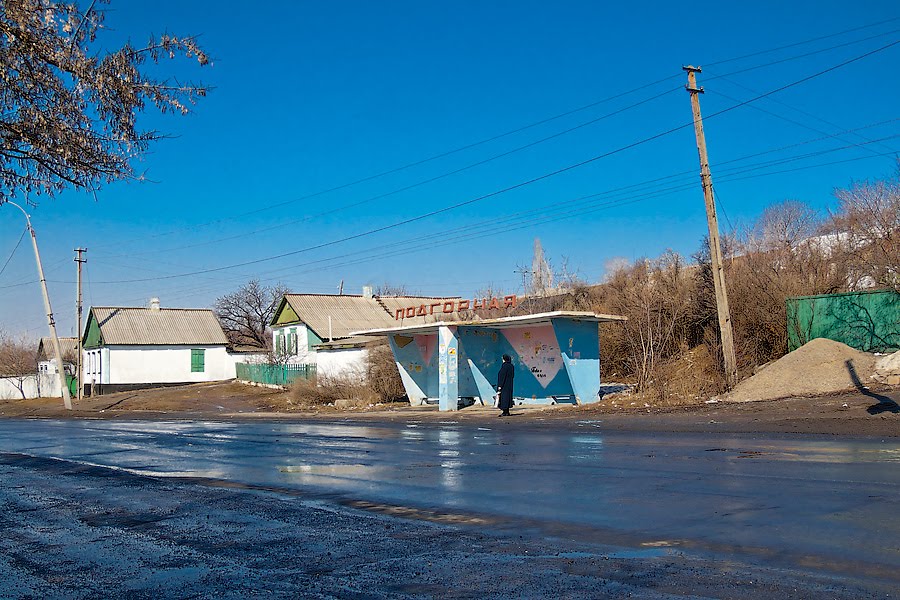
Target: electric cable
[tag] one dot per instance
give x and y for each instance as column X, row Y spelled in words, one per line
column 529, row 181
column 543, row 121
column 13, row 253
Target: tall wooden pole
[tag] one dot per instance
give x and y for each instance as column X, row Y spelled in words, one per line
column 715, row 247
column 60, row 368
column 78, row 361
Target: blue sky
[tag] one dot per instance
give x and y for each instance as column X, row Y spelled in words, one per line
column 311, row 96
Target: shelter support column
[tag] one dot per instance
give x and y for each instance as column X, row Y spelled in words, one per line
column 403, row 356
column 448, row 368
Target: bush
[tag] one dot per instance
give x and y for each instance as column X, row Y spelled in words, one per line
column 382, row 375
column 377, row 382
column 327, row 388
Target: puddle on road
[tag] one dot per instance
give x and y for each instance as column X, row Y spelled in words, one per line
column 625, row 553
column 328, row 469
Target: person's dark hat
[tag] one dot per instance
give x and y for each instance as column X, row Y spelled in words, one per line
column 506, row 358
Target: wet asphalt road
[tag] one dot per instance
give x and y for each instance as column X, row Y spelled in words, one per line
column 350, row 510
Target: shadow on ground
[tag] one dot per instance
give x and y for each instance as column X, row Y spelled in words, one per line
column 884, row 403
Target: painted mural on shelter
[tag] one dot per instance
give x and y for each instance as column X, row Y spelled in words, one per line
column 556, row 361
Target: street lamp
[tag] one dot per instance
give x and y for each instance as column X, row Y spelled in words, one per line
column 60, row 370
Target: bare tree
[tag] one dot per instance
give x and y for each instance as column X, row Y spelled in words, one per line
column 655, row 296
column 245, row 314
column 867, row 231
column 17, row 361
column 387, row 289
column 785, row 225
column 568, row 278
column 68, row 107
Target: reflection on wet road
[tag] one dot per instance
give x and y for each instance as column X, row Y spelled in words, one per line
column 777, row 498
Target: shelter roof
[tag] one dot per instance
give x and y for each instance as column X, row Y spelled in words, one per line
column 348, row 313
column 161, row 326
column 500, row 323
column 358, row 341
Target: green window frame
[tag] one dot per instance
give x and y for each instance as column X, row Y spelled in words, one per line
column 198, row 360
column 292, row 341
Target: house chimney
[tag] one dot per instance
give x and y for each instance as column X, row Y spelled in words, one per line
column 154, row 303
column 367, row 291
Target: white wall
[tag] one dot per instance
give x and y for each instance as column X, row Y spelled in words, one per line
column 348, row 361
column 250, row 358
column 95, row 365
column 43, row 385
column 156, row 364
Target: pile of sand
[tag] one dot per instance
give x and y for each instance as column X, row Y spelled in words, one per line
column 819, row 367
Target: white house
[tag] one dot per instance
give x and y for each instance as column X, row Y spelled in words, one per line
column 315, row 328
column 133, row 348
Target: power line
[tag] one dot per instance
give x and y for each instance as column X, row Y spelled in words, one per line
column 567, row 214
column 804, row 42
column 13, row 253
column 529, row 181
column 429, row 159
column 535, row 124
column 572, row 208
column 428, row 180
column 789, row 120
column 805, row 55
column 581, row 203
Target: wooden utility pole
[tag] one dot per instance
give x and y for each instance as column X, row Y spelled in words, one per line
column 78, row 360
column 60, row 367
column 715, row 247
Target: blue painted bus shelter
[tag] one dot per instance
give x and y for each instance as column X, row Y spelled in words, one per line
column 556, row 356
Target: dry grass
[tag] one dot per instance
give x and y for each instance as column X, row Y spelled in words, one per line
column 377, row 382
column 327, row 389
column 686, row 380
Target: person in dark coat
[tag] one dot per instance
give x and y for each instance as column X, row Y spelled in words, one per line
column 505, row 385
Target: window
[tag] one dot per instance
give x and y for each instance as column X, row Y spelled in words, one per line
column 197, row 360
column 292, row 341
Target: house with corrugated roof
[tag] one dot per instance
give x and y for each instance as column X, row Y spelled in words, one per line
column 132, row 348
column 315, row 328
column 68, row 346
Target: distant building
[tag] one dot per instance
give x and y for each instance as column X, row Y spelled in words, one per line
column 133, row 348
column 46, row 357
column 315, row 328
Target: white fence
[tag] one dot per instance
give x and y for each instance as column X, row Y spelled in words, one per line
column 44, row 385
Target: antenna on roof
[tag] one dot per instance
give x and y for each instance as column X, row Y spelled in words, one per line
column 341, row 288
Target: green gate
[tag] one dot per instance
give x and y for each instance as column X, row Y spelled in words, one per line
column 867, row 321
column 72, row 384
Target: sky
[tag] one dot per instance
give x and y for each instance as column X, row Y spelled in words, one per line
column 427, row 144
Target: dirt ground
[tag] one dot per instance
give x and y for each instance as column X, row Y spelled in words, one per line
column 870, row 412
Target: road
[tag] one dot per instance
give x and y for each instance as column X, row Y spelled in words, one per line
column 441, row 509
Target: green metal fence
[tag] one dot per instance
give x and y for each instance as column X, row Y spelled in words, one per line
column 868, row 321
column 270, row 374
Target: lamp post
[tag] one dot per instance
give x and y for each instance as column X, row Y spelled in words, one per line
column 60, row 370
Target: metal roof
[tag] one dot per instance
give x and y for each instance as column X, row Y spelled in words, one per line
column 163, row 326
column 351, row 313
column 67, row 345
column 347, row 342
column 501, row 323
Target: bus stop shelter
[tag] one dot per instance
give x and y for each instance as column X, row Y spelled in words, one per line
column 556, row 356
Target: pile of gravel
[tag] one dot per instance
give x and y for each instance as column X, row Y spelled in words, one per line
column 820, row 366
